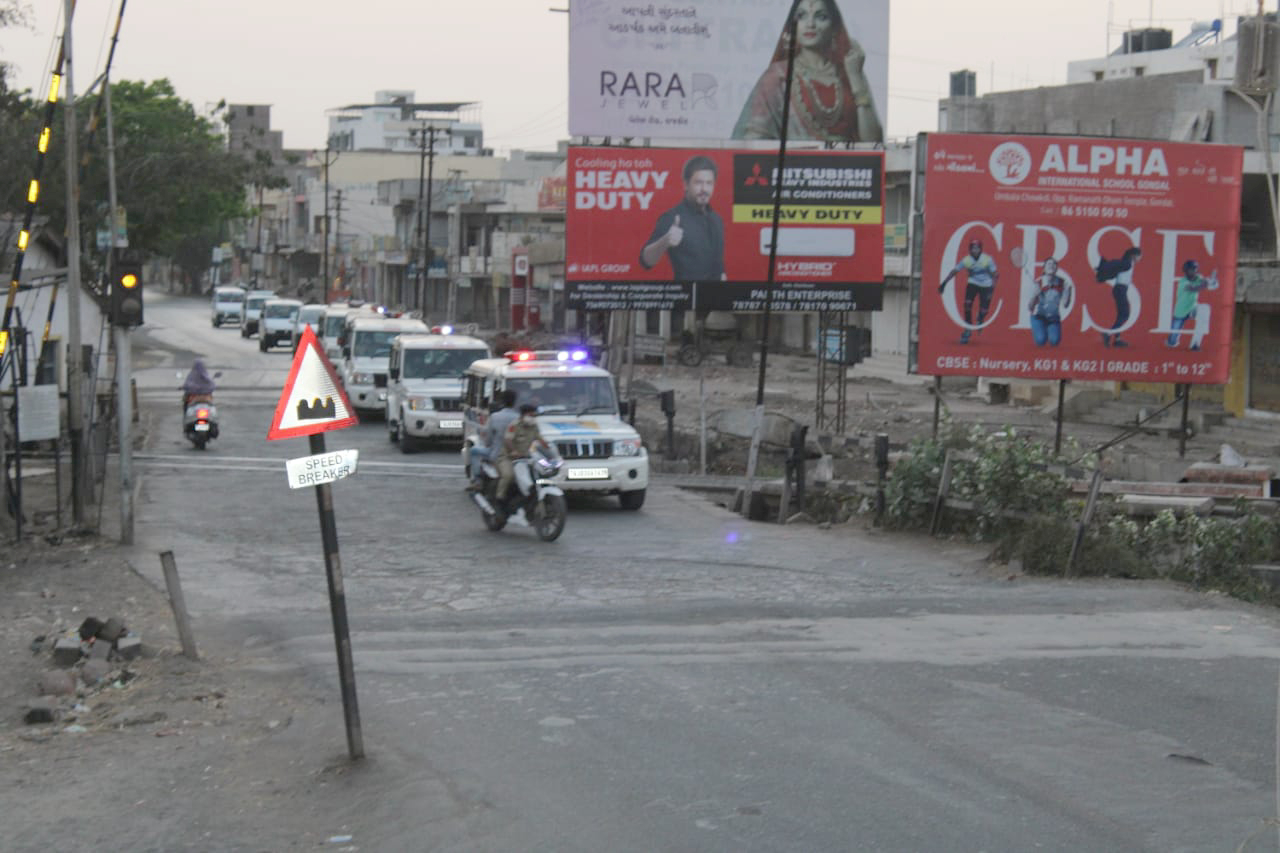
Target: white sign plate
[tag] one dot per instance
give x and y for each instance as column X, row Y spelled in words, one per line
column 38, row 412
column 588, row 473
column 321, row 468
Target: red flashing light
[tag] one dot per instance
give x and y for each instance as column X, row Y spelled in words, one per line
column 524, row 356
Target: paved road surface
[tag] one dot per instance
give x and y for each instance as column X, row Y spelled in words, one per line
column 677, row 679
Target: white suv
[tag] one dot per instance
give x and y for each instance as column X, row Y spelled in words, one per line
column 365, row 353
column 308, row 315
column 228, row 305
column 424, row 386
column 275, row 326
column 578, row 412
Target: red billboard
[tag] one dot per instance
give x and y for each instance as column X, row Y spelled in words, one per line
column 683, row 228
column 1052, row 257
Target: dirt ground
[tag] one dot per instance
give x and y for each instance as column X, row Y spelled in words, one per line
column 227, row 737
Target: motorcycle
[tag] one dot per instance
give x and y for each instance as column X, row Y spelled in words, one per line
column 531, row 490
column 200, row 419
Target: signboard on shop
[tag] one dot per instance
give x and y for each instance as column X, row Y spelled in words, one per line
column 1054, row 257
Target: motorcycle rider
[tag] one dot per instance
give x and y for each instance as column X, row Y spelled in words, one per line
column 518, row 438
column 495, row 429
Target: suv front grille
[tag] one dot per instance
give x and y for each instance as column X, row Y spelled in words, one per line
column 447, row 404
column 585, row 449
column 379, row 380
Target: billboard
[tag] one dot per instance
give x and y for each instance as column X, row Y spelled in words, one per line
column 665, row 228
column 714, row 69
column 1052, row 257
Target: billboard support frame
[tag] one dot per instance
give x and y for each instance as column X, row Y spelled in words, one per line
column 754, row 453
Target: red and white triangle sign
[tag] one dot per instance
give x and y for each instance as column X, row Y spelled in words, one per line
column 313, row 401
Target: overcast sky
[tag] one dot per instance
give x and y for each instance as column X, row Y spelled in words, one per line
column 303, row 58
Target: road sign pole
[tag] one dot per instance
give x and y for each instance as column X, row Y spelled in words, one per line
column 338, row 609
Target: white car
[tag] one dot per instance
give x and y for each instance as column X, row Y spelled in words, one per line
column 365, row 354
column 424, row 386
column 275, row 326
column 228, row 305
column 578, row 412
column 253, row 302
column 308, row 315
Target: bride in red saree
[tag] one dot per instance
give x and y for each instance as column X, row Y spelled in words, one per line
column 830, row 97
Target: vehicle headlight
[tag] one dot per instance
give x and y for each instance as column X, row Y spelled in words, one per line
column 362, row 378
column 627, row 447
column 420, row 404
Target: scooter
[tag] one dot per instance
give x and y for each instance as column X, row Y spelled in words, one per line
column 199, row 419
column 531, row 490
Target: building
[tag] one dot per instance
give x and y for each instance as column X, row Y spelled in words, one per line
column 395, row 121
column 1207, row 87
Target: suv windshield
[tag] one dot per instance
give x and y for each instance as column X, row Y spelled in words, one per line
column 373, row 344
column 256, row 302
column 281, row 310
column 333, row 325
column 435, row 363
column 311, row 316
column 229, row 296
column 574, row 394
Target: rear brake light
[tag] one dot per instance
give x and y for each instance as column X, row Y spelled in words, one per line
column 202, row 413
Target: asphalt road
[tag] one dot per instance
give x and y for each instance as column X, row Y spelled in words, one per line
column 678, row 679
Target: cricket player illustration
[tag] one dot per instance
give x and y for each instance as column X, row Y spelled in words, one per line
column 981, row 275
column 1187, row 308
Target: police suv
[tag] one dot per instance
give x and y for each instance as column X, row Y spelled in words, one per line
column 578, row 412
column 366, row 351
column 424, row 386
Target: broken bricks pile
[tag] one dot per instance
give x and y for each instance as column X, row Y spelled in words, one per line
column 85, row 661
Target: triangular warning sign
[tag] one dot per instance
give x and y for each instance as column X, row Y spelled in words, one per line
column 312, row 401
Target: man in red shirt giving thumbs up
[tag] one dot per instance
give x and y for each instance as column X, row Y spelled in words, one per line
column 691, row 234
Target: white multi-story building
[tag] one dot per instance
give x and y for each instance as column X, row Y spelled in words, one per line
column 395, row 122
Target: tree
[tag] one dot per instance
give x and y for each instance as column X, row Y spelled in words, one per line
column 174, row 175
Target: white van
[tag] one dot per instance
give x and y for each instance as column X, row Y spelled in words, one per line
column 253, row 302
column 228, row 305
column 424, row 386
column 578, row 412
column 308, row 315
column 275, row 325
column 365, row 353
column 333, row 326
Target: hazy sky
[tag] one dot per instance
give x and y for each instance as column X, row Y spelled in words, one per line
column 306, row 57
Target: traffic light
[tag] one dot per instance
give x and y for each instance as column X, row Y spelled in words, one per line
column 126, row 288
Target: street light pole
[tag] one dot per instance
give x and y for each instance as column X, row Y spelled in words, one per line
column 420, row 260
column 328, row 148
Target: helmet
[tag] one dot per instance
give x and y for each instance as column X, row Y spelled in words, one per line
column 1189, row 266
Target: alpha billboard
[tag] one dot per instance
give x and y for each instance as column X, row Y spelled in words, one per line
column 664, row 228
column 1079, row 258
column 715, row 69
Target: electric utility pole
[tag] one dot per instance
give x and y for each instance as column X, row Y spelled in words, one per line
column 75, row 357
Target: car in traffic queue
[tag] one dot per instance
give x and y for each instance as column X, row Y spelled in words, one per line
column 333, row 327
column 275, row 325
column 227, row 304
column 365, row 353
column 578, row 412
column 424, row 386
column 311, row 315
column 253, row 302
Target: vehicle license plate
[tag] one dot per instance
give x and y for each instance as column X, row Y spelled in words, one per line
column 202, row 427
column 588, row 473
column 451, row 425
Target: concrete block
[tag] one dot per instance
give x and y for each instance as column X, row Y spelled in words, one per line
column 66, row 651
column 93, row 671
column 1212, row 472
column 89, row 628
column 113, row 630
column 40, row 712
column 1151, row 505
column 100, row 650
column 128, row 648
column 56, row 682
column 1032, row 393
